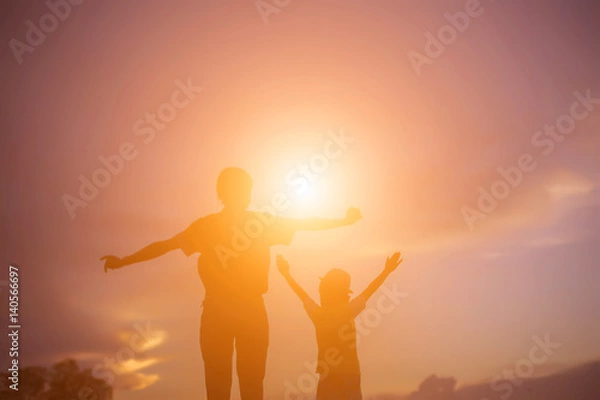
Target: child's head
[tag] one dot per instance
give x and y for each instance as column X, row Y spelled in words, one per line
column 335, row 287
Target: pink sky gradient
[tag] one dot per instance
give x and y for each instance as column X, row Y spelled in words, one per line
column 270, row 95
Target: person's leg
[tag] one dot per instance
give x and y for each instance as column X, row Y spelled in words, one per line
column 328, row 389
column 352, row 386
column 251, row 345
column 216, row 343
column 322, row 389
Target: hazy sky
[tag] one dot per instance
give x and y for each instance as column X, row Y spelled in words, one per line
column 424, row 141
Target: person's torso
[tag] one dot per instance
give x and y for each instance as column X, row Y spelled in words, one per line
column 236, row 256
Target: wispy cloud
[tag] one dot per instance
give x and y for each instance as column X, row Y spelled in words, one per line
column 135, row 381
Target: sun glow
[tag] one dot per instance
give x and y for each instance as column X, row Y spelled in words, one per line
column 308, row 178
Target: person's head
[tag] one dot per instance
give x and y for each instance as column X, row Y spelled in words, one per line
column 335, row 287
column 234, row 187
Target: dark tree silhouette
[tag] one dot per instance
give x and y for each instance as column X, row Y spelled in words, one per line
column 435, row 388
column 32, row 383
column 64, row 381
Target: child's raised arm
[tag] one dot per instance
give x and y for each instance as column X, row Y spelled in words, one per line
column 284, row 268
column 391, row 263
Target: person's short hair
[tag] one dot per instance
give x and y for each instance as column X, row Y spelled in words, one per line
column 233, row 182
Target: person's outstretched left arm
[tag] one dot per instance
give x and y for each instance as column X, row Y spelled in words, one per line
column 317, row 224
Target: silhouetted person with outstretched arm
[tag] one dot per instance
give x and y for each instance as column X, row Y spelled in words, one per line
column 234, row 246
column 337, row 362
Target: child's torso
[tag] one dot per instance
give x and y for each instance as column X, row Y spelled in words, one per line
column 336, row 339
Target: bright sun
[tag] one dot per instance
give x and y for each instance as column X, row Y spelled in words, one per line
column 311, row 195
column 299, row 169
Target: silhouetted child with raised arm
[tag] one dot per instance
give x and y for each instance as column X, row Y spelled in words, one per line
column 337, row 364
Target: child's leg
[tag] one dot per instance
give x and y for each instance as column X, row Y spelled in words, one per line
column 216, row 343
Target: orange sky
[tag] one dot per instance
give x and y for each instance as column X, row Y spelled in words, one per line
column 272, row 95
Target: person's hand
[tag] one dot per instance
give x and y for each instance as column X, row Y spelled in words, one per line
column 352, row 215
column 112, row 262
column 392, row 262
column 282, row 265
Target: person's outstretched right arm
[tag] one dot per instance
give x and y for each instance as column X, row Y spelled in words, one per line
column 190, row 241
column 149, row 252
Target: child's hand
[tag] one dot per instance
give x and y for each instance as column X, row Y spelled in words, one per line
column 282, row 265
column 392, row 262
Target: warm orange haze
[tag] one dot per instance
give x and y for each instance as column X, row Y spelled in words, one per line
column 343, row 199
